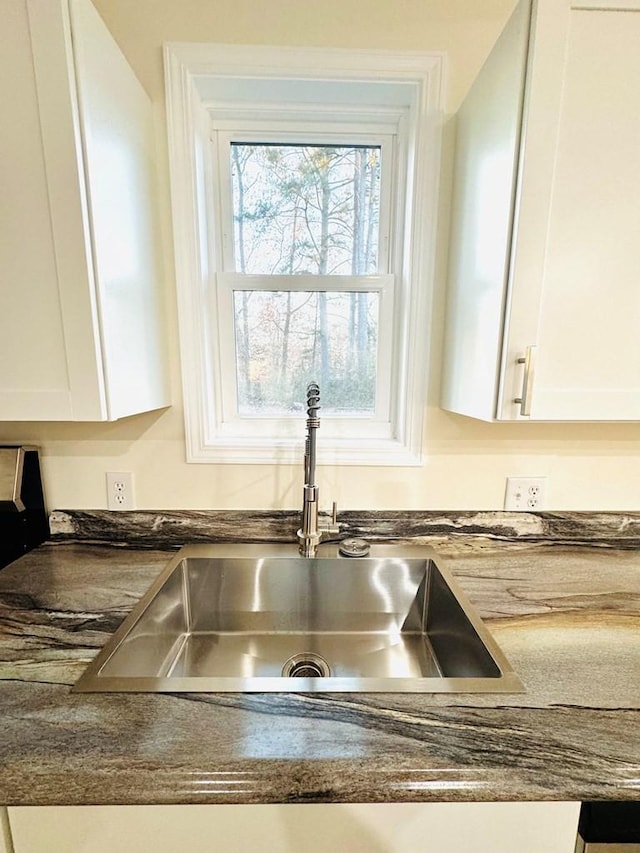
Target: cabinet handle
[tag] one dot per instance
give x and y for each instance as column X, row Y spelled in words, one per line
column 529, row 362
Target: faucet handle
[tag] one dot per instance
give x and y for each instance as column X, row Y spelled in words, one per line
column 332, row 527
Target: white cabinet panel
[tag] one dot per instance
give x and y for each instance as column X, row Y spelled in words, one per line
column 81, row 331
column 33, row 369
column 569, row 286
column 487, row 147
column 383, row 828
column 588, row 336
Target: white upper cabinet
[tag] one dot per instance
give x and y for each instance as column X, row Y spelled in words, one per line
column 81, row 319
column 544, row 287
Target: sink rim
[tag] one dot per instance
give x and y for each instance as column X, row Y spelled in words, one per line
column 92, row 681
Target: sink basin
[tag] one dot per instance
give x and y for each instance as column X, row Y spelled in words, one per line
column 256, row 618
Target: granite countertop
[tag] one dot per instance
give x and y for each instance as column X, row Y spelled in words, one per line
column 566, row 616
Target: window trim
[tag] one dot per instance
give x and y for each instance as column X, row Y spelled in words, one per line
column 420, row 75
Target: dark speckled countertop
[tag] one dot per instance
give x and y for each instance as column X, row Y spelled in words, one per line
column 567, row 617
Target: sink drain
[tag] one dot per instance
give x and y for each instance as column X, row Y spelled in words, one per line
column 306, row 665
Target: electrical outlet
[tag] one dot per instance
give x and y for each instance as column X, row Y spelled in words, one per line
column 120, row 490
column 526, row 494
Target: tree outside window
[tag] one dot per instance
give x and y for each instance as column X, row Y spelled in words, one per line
column 305, row 210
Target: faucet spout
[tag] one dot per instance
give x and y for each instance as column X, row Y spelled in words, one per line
column 311, row 533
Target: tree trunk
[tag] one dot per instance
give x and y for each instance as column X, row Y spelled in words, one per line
column 358, row 259
column 372, row 211
column 323, row 262
column 284, row 353
column 242, row 322
column 362, row 327
column 360, row 256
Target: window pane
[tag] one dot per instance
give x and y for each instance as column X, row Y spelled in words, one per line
column 306, row 209
column 286, row 339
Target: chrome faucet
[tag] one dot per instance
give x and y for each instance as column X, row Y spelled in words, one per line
column 311, row 532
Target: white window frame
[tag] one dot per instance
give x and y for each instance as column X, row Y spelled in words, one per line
column 204, row 271
column 229, row 422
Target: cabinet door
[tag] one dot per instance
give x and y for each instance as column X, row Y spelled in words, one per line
column 486, row 163
column 116, row 118
column 384, row 828
column 574, row 286
column 48, row 344
column 81, row 328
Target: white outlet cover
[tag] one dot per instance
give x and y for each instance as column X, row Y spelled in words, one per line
column 120, row 491
column 526, row 494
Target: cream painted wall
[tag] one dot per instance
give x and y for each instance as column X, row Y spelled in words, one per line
column 588, row 466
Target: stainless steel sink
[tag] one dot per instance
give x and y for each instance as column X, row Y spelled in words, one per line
column 261, row 618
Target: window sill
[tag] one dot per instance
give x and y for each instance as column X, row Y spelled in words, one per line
column 251, row 451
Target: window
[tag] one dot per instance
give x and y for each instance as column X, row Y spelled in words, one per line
column 304, row 197
column 308, row 210
column 304, row 293
column 304, row 208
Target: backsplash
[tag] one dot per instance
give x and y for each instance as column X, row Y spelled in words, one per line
column 173, row 528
